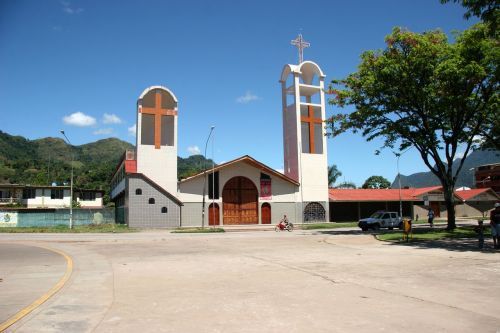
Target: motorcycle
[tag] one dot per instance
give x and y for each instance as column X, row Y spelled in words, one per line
column 282, row 226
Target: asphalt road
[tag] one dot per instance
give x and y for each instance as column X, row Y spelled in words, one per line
column 304, row 281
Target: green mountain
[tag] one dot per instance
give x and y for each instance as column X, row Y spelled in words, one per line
column 465, row 178
column 48, row 160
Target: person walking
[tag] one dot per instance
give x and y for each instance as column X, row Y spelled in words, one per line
column 495, row 225
column 430, row 215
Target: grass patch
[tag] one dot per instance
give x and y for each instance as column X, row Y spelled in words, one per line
column 332, row 225
column 433, row 234
column 90, row 228
column 197, row 230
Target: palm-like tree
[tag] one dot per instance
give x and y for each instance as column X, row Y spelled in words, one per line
column 333, row 174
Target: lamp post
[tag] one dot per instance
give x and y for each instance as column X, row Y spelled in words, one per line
column 205, row 180
column 71, row 185
column 213, row 181
column 398, row 155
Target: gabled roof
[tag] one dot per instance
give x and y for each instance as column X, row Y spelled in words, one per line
column 472, row 193
column 407, row 194
column 349, row 194
column 156, row 186
column 248, row 160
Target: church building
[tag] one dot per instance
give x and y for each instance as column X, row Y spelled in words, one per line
column 244, row 191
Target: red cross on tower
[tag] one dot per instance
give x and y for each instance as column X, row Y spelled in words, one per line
column 311, row 121
column 157, row 111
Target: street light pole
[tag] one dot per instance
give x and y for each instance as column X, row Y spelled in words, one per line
column 399, row 183
column 398, row 155
column 213, row 181
column 205, row 179
column 71, row 185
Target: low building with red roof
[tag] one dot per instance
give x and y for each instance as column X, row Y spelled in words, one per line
column 353, row 204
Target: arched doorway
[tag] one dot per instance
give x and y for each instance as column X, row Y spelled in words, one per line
column 239, row 198
column 314, row 212
column 265, row 213
column 213, row 214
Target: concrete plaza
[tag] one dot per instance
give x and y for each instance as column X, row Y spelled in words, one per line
column 254, row 281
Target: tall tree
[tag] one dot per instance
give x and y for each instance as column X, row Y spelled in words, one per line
column 424, row 92
column 487, row 10
column 333, row 174
column 376, row 182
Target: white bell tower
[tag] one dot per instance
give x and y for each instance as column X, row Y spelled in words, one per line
column 305, row 153
column 157, row 137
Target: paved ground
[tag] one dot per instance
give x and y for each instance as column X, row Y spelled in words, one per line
column 305, row 281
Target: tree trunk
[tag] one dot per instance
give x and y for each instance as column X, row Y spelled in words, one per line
column 450, row 206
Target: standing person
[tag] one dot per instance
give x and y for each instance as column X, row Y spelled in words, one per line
column 480, row 233
column 495, row 225
column 430, row 215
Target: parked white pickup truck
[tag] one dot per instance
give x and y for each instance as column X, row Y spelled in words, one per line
column 381, row 219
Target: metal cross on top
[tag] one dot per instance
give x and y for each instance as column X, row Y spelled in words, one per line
column 157, row 111
column 301, row 44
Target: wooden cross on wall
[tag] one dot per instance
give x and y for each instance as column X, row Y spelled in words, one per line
column 157, row 111
column 311, row 121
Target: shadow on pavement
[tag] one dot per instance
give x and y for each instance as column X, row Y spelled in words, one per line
column 451, row 244
column 455, row 244
column 344, row 232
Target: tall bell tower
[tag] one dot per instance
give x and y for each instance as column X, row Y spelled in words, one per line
column 157, row 137
column 305, row 153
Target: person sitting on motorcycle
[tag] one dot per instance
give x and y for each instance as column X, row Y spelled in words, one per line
column 284, row 221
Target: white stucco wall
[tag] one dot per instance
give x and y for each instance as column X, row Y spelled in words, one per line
column 43, row 200
column 160, row 165
column 91, row 203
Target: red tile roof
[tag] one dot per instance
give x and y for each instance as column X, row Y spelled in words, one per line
column 407, row 194
column 469, row 194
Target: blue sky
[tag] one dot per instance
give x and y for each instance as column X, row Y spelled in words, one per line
column 81, row 65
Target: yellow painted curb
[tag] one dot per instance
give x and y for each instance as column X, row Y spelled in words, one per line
column 69, row 269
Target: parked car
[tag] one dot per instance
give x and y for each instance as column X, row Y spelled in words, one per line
column 381, row 219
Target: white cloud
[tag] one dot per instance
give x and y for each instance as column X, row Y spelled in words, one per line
column 111, row 119
column 247, row 98
column 69, row 9
column 478, row 139
column 103, row 131
column 281, row 171
column 194, row 150
column 132, row 130
column 79, row 119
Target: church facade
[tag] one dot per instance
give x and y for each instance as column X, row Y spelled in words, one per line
column 244, row 191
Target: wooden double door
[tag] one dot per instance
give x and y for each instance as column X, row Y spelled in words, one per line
column 240, row 202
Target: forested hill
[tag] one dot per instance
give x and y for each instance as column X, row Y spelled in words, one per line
column 48, row 160
column 475, row 159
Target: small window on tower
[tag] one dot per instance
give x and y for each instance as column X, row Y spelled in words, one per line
column 151, row 201
column 164, row 210
column 138, row 191
column 148, row 129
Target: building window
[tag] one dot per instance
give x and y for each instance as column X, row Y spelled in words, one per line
column 164, row 209
column 213, row 191
column 314, row 212
column 29, row 193
column 151, row 201
column 87, row 196
column 56, row 193
column 138, row 191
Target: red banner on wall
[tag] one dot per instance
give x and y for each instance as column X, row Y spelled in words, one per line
column 265, row 189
